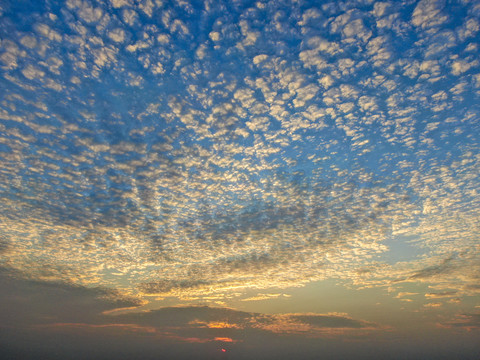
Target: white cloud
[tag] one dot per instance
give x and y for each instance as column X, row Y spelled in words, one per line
column 121, row 3
column 31, row 72
column 310, row 16
column 259, row 58
column 104, row 56
column 356, row 29
column 428, row 13
column 49, row 33
column 139, row 45
column 29, row 41
column 178, row 26
column 379, row 8
column 469, row 29
column 10, row 55
column 85, row 10
column 326, row 81
column 322, row 45
column 201, row 51
column 461, row 66
column 250, row 37
column 147, row 6
column 310, row 58
column 367, row 103
column 117, row 35
column 129, row 16
column 214, row 36
column 158, row 68
column 477, row 80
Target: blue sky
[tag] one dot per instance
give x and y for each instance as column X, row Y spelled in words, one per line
column 276, row 160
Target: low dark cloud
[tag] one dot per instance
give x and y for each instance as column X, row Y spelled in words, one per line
column 184, row 315
column 51, row 320
column 25, row 303
column 214, row 318
column 465, row 321
column 54, row 320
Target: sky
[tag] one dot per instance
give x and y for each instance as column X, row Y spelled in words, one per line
column 239, row 179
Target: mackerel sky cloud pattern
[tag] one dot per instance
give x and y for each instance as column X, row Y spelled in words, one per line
column 218, row 152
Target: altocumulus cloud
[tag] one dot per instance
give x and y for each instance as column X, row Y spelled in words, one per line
column 177, row 149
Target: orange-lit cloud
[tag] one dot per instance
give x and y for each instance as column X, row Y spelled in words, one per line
column 260, row 297
column 439, row 295
column 313, row 325
column 215, row 324
column 433, row 305
column 224, row 339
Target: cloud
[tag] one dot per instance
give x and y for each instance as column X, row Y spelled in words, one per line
column 208, row 319
column 85, row 10
column 214, row 35
column 465, row 321
column 259, row 297
column 428, row 13
column 49, row 33
column 460, row 67
column 84, row 321
column 31, row 302
column 275, row 147
column 117, row 35
column 330, row 321
column 28, row 41
column 433, row 305
column 405, row 293
column 120, row 3
column 444, row 267
column 32, row 72
column 129, row 16
column 259, row 58
column 356, row 29
column 147, row 6
column 185, row 323
column 440, row 294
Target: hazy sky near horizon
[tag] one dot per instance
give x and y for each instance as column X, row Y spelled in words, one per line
column 272, row 178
